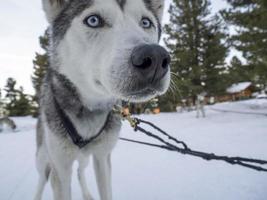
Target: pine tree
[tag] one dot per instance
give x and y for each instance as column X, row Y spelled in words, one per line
column 18, row 103
column 22, row 106
column 195, row 39
column 11, row 94
column 1, row 104
column 40, row 67
column 238, row 72
column 249, row 17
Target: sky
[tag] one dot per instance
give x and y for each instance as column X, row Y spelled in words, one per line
column 21, row 24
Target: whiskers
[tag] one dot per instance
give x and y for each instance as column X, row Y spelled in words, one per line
column 173, row 89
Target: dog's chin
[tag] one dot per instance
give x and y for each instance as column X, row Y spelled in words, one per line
column 140, row 96
column 138, row 91
column 147, row 92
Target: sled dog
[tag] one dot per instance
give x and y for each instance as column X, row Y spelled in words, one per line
column 8, row 122
column 101, row 52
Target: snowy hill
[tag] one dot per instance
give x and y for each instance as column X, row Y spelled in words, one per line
column 145, row 173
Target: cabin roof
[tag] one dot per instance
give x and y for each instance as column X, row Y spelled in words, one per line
column 238, row 87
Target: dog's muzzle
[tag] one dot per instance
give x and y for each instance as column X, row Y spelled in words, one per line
column 151, row 62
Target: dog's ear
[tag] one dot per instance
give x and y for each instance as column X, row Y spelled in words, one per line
column 157, row 6
column 52, row 8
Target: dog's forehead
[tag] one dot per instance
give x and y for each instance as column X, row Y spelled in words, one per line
column 123, row 3
column 76, row 7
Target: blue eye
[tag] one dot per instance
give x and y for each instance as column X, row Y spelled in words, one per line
column 146, row 23
column 94, row 21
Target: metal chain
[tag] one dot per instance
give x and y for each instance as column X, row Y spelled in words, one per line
column 135, row 123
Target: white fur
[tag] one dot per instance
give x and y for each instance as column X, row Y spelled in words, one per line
column 96, row 61
column 108, row 48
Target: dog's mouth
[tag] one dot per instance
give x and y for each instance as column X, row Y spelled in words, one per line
column 134, row 88
column 142, row 93
column 135, row 93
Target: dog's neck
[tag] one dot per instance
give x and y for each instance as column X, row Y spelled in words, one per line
column 87, row 121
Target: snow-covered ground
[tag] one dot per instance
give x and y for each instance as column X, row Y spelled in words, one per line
column 145, row 173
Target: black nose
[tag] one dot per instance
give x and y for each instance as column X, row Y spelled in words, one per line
column 151, row 60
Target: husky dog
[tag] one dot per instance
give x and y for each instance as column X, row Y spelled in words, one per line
column 8, row 122
column 101, row 52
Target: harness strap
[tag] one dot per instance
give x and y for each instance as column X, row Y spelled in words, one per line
column 72, row 131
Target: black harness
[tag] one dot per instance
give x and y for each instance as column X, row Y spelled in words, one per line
column 72, row 131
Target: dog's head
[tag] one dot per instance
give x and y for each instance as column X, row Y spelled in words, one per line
column 108, row 48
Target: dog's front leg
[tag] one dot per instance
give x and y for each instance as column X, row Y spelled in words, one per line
column 61, row 184
column 102, row 166
column 82, row 179
column 61, row 181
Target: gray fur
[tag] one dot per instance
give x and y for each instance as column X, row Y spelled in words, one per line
column 59, row 87
column 63, row 20
column 47, row 172
column 39, row 133
column 149, row 6
column 7, row 121
column 121, row 3
column 60, row 2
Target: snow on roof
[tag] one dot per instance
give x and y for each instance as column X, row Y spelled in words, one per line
column 238, row 87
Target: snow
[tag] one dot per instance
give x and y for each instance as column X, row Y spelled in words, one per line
column 261, row 96
column 145, row 173
column 238, row 87
column 255, row 106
